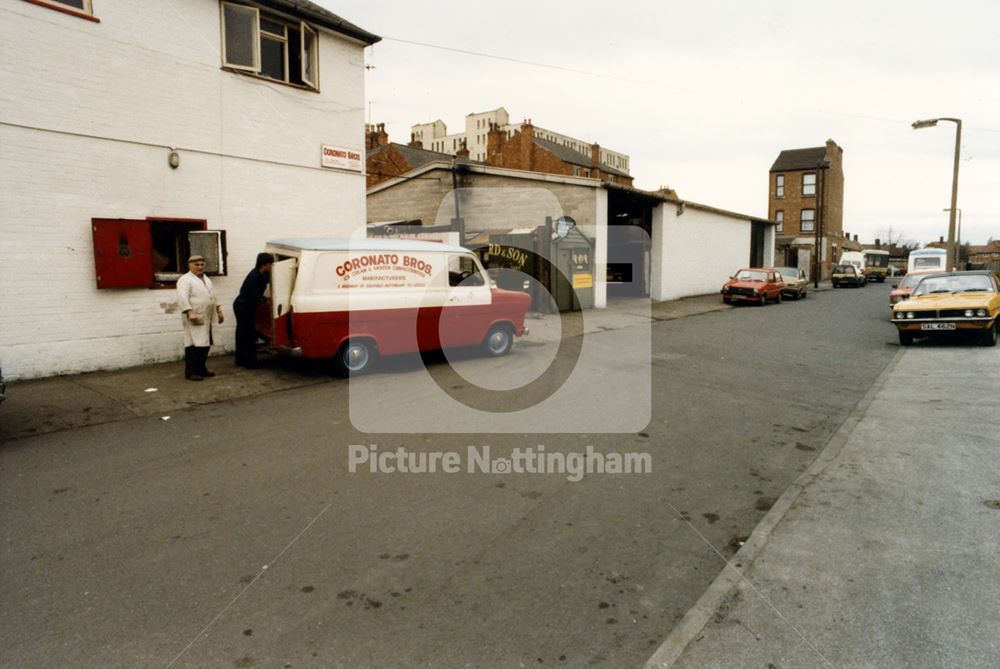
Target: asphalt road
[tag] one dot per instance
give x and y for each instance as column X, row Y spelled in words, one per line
column 233, row 535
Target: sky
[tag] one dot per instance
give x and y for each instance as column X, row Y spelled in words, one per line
column 704, row 95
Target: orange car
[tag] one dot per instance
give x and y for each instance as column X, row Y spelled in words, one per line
column 754, row 284
column 905, row 287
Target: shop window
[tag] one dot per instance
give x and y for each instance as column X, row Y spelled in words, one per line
column 269, row 46
column 154, row 251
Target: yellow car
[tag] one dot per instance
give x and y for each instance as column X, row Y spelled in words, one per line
column 950, row 302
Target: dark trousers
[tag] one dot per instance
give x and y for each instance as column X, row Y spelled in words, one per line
column 246, row 336
column 194, row 360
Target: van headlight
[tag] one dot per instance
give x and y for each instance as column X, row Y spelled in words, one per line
column 981, row 313
column 910, row 314
column 969, row 313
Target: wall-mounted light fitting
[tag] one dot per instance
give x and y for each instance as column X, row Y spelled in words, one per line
column 174, row 159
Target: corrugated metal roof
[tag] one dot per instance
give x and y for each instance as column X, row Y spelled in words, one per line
column 801, row 159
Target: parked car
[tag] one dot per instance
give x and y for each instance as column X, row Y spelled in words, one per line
column 905, row 287
column 754, row 284
column 795, row 280
column 847, row 275
column 950, row 302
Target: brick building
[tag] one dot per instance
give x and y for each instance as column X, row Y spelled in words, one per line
column 109, row 183
column 386, row 160
column 985, row 255
column 475, row 139
column 523, row 147
column 806, row 198
column 525, row 150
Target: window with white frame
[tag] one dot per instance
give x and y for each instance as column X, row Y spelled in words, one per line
column 779, row 185
column 81, row 6
column 779, row 216
column 269, row 46
column 808, row 184
column 808, row 220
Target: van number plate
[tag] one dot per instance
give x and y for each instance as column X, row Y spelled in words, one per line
column 937, row 326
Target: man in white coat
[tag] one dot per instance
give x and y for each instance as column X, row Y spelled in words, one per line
column 198, row 307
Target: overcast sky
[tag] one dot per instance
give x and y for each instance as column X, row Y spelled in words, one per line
column 703, row 95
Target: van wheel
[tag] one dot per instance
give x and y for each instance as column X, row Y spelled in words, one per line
column 905, row 338
column 499, row 341
column 355, row 357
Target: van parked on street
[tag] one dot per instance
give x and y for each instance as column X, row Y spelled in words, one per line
column 354, row 300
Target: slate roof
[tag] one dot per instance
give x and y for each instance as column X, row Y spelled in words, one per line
column 568, row 155
column 801, row 159
column 317, row 15
column 417, row 157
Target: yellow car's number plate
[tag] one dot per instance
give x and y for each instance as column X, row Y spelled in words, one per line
column 937, row 326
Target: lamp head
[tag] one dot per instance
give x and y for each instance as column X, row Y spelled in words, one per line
column 928, row 123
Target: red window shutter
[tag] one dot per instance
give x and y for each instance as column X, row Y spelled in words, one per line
column 123, row 253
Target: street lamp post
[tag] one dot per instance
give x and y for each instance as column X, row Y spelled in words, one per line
column 930, row 123
column 958, row 236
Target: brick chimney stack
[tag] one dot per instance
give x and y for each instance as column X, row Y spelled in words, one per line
column 855, row 238
column 495, row 141
column 527, row 158
column 414, row 142
column 463, row 152
column 595, row 156
column 375, row 136
column 878, row 243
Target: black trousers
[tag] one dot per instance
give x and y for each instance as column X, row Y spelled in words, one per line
column 195, row 358
column 246, row 335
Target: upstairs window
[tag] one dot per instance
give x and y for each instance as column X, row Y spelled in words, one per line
column 779, row 185
column 808, row 220
column 82, row 8
column 779, row 217
column 269, row 46
column 808, row 184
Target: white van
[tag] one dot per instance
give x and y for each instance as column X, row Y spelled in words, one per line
column 352, row 300
column 927, row 260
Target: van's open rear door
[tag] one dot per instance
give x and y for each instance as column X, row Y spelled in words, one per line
column 282, row 282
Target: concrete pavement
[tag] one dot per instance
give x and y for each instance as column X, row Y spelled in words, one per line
column 883, row 553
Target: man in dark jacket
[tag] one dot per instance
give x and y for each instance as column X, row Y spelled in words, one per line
column 245, row 306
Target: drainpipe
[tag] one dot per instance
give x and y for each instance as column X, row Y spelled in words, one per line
column 457, row 223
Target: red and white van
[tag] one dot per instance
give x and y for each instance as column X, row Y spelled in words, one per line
column 353, row 300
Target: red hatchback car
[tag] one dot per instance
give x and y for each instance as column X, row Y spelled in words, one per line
column 754, row 284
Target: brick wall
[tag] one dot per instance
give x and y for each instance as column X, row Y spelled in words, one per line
column 151, row 79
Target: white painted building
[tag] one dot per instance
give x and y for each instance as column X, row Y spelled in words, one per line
column 696, row 248
column 434, row 136
column 125, row 125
